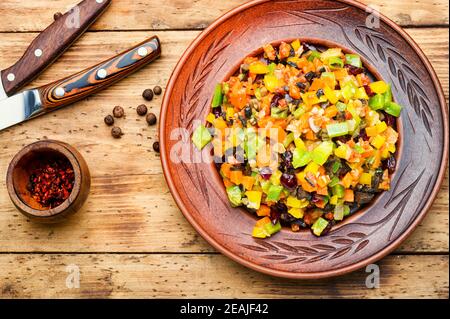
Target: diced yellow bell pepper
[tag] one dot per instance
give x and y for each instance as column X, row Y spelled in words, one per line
column 310, row 98
column 371, row 131
column 334, row 200
column 391, row 148
column 230, row 113
column 296, row 45
column 254, row 199
column 271, row 82
column 381, row 127
column 220, row 123
column 293, row 202
column 365, row 179
column 378, row 141
column 259, row 232
column 258, row 67
column 384, row 153
column 343, row 151
column 210, row 118
column 300, row 144
column 379, row 87
column 331, row 95
column 361, row 94
column 275, row 178
column 296, row 212
column 312, row 167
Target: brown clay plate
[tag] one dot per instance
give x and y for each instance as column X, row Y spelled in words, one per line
column 365, row 237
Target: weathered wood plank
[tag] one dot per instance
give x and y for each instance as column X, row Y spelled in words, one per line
column 130, row 205
column 180, row 14
column 196, row 276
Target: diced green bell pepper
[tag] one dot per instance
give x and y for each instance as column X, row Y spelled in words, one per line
column 288, row 140
column 348, row 91
column 299, row 112
column 301, row 158
column 346, row 210
column 336, row 166
column 337, row 129
column 322, row 152
column 354, row 60
column 339, row 212
column 314, row 55
column 336, row 63
column 393, row 109
column 277, row 113
column 272, row 229
column 274, row 193
column 388, row 97
column 234, row 195
column 338, row 190
column 334, row 180
column 319, row 226
column 376, row 102
column 218, row 96
column 201, row 137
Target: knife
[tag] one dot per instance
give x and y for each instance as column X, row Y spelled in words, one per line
column 50, row 44
column 32, row 103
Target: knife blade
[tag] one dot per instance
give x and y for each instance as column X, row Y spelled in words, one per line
column 50, row 44
column 19, row 107
column 32, row 103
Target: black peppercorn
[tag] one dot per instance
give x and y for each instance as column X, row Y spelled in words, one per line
column 142, row 110
column 57, row 15
column 156, row 147
column 109, row 120
column 118, row 112
column 151, row 119
column 148, row 94
column 157, row 90
column 116, row 132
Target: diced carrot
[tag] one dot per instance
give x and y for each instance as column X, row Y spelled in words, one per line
column 294, row 92
column 225, row 169
column 349, row 196
column 263, row 222
column 331, row 111
column 227, row 183
column 340, row 74
column 316, row 85
column 347, row 180
column 323, row 191
column 236, row 177
column 248, row 182
column 264, row 210
column 310, row 136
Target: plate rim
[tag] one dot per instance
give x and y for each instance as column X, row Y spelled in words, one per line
column 311, row 275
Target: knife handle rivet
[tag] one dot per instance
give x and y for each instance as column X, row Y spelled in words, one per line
column 38, row 53
column 60, row 92
column 142, row 51
column 102, row 73
column 11, row 77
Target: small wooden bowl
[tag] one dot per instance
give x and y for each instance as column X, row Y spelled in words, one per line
column 19, row 173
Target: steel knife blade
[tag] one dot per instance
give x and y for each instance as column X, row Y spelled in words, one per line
column 20, row 107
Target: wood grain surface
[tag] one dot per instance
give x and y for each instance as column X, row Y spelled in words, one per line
column 130, row 237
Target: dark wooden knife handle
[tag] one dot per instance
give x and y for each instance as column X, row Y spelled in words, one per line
column 51, row 43
column 92, row 80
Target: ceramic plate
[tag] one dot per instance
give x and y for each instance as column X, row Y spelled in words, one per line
column 368, row 235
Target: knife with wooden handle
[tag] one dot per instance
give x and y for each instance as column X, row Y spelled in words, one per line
column 50, row 44
column 33, row 103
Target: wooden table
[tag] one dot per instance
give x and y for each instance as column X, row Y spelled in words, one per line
column 130, row 239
